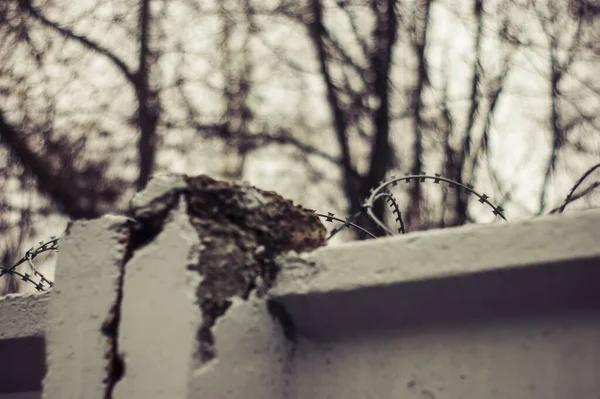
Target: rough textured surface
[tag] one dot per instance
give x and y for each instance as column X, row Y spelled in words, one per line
column 242, row 230
column 23, row 315
column 501, row 311
column 22, row 352
column 82, row 303
column 159, row 195
column 443, row 253
column 197, row 246
column 253, row 356
column 551, row 356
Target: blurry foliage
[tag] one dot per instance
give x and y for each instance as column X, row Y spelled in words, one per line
column 317, row 99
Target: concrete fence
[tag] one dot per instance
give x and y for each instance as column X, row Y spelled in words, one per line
column 507, row 310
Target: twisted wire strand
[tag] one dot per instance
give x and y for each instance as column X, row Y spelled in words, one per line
column 330, row 217
column 382, row 191
column 393, row 203
column 50, row 245
column 384, row 187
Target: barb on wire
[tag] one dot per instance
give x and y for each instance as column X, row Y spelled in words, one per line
column 330, row 217
column 383, row 191
column 40, row 281
column 391, row 201
column 384, row 186
column 396, row 211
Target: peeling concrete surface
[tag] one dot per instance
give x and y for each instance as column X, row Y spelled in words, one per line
column 87, row 279
column 204, row 246
column 242, row 230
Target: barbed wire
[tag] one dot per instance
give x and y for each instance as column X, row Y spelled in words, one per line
column 330, row 217
column 381, row 192
column 38, row 279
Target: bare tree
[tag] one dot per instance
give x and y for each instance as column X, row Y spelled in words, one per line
column 351, row 109
column 94, row 98
column 419, row 29
column 567, row 51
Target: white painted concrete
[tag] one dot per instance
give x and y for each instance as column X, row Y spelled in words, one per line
column 160, row 317
column 496, row 311
column 545, row 357
column 504, row 311
column 253, row 357
column 23, row 315
column 447, row 252
column 22, row 325
column 84, row 292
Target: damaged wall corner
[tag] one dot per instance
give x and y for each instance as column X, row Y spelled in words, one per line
column 216, row 243
column 205, row 292
column 161, row 303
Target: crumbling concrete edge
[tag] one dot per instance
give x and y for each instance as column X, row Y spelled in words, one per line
column 115, row 367
column 255, row 358
column 157, row 308
column 149, row 211
column 165, row 199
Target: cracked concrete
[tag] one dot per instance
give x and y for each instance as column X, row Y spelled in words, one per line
column 491, row 311
column 213, row 243
column 254, row 357
column 159, row 282
column 242, row 230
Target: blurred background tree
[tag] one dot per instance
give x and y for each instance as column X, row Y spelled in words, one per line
column 316, row 99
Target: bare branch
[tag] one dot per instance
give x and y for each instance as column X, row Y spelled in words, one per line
column 69, row 34
column 419, row 43
column 59, row 188
column 148, row 105
column 251, row 140
column 384, row 35
column 475, row 94
column 557, row 71
column 352, row 19
column 494, row 99
column 570, row 197
column 318, row 33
